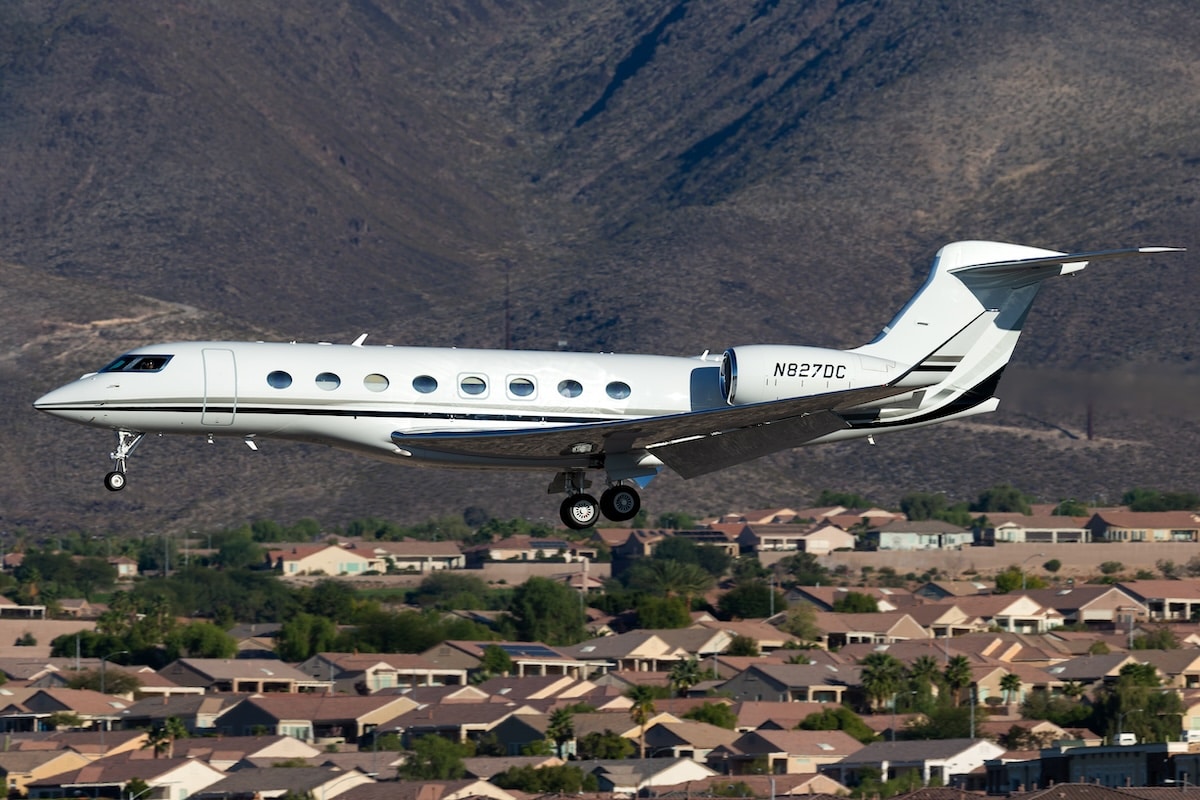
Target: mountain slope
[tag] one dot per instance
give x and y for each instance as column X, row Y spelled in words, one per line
column 624, row 176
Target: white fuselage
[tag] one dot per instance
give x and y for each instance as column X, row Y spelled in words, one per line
column 355, row 397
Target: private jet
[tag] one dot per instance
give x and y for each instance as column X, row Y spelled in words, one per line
column 620, row 418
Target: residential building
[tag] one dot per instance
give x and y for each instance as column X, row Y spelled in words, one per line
column 929, row 534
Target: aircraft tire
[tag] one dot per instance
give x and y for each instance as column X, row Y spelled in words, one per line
column 620, row 503
column 114, row 481
column 579, row 511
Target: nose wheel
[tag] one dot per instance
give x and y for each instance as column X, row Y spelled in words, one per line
column 127, row 441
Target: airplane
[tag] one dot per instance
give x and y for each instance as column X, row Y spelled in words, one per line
column 625, row 417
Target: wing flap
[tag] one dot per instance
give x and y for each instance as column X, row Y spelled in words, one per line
column 700, row 456
column 675, row 437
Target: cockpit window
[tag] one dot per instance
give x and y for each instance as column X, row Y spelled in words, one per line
column 137, row 363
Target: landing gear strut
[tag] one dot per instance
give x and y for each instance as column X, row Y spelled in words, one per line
column 127, row 441
column 581, row 510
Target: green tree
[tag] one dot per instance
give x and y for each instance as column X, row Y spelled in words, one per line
column 753, row 600
column 719, row 714
column 881, row 676
column 200, row 640
column 305, row 635
column 546, row 611
column 641, row 711
column 800, row 621
column 495, row 661
column 116, row 681
column 435, row 758
column 958, row 677
column 856, row 603
column 802, row 569
column 741, row 645
column 839, row 718
column 670, row 578
column 684, row 675
column 655, row 612
column 1138, row 703
column 1001, row 499
column 1011, row 684
column 561, row 729
column 606, row 745
column 161, row 738
column 1070, row 508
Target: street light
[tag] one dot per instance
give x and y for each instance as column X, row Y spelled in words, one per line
column 103, row 661
column 1026, row 561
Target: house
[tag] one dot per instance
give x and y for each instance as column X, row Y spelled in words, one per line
column 521, row 548
column 929, row 534
column 1089, row 603
column 458, row 723
column 225, row 752
column 370, row 672
column 323, row 559
column 941, row 590
column 1144, row 526
column 1166, row 600
column 797, row 683
column 686, row 739
column 819, row 539
column 462, row 789
column 826, row 597
column 417, row 555
column 646, row 650
column 1018, row 612
column 1013, row 528
column 528, row 658
column 313, row 718
column 251, row 675
column 778, row 752
column 198, row 713
column 19, row 767
column 168, row 778
column 262, row 783
column 841, row 629
column 947, row 760
column 632, row 777
column 34, row 709
column 126, row 567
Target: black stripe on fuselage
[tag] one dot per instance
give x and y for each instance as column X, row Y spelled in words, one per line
column 340, row 412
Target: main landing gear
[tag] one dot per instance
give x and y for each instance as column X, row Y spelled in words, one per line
column 580, row 510
column 127, row 441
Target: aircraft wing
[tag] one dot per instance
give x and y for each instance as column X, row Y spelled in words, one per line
column 692, row 443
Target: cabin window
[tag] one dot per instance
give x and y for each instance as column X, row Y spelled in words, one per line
column 279, row 379
column 425, row 384
column 520, row 387
column 137, row 363
column 570, row 388
column 618, row 390
column 375, row 382
column 473, row 385
column 328, row 381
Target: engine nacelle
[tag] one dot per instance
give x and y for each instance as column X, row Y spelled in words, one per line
column 764, row 372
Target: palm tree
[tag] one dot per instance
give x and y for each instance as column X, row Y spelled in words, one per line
column 162, row 737
column 561, row 729
column 671, row 578
column 641, row 711
column 684, row 675
column 923, row 675
column 958, row 676
column 1011, row 684
column 881, row 677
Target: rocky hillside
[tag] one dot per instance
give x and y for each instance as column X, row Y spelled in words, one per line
column 619, row 176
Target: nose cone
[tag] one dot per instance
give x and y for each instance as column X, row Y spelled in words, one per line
column 67, row 402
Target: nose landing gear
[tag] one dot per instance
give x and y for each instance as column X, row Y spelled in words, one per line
column 127, row 441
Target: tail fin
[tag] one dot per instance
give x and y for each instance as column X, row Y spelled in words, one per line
column 960, row 329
